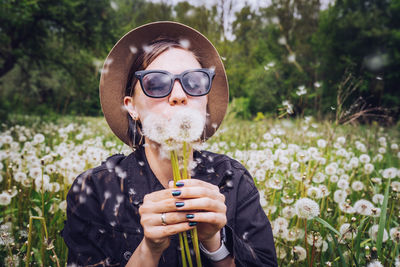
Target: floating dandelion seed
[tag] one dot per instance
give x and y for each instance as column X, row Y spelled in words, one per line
column 282, row 40
column 292, row 58
column 302, row 90
column 185, row 43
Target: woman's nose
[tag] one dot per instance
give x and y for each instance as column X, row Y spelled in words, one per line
column 177, row 96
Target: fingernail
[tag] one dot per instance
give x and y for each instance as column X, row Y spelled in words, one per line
column 176, row 193
column 189, row 216
column 179, row 184
column 171, row 183
column 192, row 223
column 179, row 204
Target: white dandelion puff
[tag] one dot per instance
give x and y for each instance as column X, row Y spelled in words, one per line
column 306, row 208
column 373, row 233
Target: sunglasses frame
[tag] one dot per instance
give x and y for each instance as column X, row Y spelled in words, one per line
column 141, row 73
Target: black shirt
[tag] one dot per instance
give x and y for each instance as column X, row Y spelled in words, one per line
column 103, row 222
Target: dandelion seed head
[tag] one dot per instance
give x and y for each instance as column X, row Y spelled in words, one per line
column 373, row 233
column 363, row 207
column 306, row 208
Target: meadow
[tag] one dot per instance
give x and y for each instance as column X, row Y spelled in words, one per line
column 330, row 192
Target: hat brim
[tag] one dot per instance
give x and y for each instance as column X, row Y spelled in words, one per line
column 117, row 65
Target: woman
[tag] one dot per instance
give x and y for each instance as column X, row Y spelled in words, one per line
column 126, row 211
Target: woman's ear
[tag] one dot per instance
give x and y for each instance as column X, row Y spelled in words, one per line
column 130, row 107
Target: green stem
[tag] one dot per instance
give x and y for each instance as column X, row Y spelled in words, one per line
column 43, row 222
column 184, row 264
column 196, row 246
column 189, row 257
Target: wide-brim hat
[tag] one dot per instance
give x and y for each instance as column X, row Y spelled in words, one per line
column 118, row 63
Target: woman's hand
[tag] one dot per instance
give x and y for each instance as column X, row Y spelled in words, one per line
column 194, row 202
column 205, row 205
column 156, row 234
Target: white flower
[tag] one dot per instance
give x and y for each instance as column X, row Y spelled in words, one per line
column 319, row 177
column 35, row 172
column 343, row 184
column 19, row 176
column 346, row 207
column 347, row 232
column 5, row 198
column 382, row 150
column 357, row 186
column 314, row 192
column 260, row 175
column 314, row 239
column 395, row 186
column 288, row 212
column 363, row 207
column 294, row 166
column 375, row 263
column 394, row 146
column 331, row 168
column 364, row 158
column 306, row 208
column 300, row 252
column 368, row 168
column 373, row 233
column 339, row 196
column 280, row 252
column 63, row 205
column 187, row 125
column 155, row 128
column 389, row 173
column 321, row 143
column 395, row 234
column 42, row 183
column 281, row 223
column 274, row 184
column 38, row 138
column 378, row 199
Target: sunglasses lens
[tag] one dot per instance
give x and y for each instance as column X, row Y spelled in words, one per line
column 157, row 84
column 196, row 83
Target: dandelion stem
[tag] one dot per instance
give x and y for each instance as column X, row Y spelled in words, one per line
column 184, row 264
column 187, row 250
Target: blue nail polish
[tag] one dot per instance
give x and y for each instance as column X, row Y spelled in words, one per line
column 179, row 204
column 179, row 184
column 192, row 223
column 189, row 216
column 176, row 193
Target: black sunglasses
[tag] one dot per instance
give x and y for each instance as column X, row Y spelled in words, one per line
column 159, row 83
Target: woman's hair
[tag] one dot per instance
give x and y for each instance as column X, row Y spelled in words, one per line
column 146, row 56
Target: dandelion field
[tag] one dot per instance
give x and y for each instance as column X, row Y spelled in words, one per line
column 330, row 192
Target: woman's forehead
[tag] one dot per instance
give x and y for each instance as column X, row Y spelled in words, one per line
column 175, row 60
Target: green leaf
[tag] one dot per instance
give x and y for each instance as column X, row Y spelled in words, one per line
column 358, row 237
column 382, row 220
column 327, row 225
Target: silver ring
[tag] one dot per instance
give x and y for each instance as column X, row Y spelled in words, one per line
column 163, row 219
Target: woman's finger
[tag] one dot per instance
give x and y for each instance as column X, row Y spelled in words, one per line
column 197, row 192
column 208, row 217
column 196, row 182
column 205, row 204
column 157, row 232
column 169, row 218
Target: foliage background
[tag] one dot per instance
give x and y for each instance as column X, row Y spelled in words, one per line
column 51, row 53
